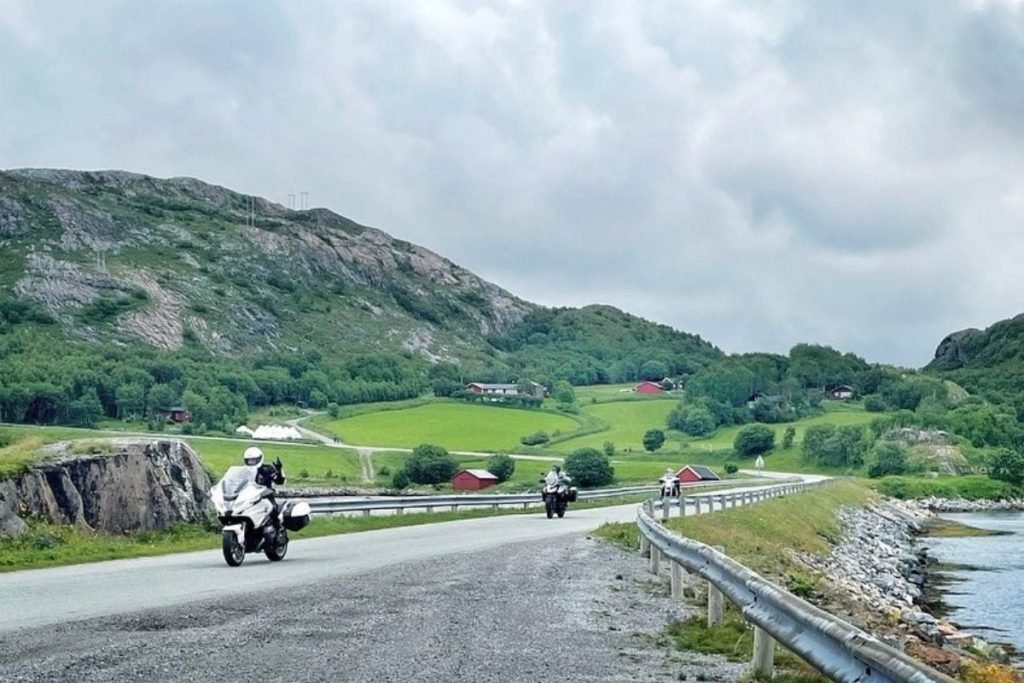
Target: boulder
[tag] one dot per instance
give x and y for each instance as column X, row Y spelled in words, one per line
column 10, row 523
column 138, row 485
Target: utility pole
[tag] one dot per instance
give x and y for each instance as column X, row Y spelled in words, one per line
column 305, row 200
column 291, row 201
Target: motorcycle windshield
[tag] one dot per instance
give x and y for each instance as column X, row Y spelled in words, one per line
column 236, row 479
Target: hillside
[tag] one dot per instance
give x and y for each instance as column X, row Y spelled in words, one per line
column 989, row 361
column 113, row 284
column 116, row 256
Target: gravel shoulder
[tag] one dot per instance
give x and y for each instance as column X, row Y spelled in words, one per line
column 572, row 609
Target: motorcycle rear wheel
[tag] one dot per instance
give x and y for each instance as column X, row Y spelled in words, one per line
column 234, row 552
column 276, row 552
column 561, row 510
column 549, row 508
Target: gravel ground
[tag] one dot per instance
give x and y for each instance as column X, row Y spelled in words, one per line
column 572, row 610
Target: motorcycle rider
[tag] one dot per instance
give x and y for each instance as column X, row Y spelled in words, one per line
column 266, row 475
column 672, row 480
column 556, row 477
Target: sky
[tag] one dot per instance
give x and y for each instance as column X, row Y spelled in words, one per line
column 762, row 173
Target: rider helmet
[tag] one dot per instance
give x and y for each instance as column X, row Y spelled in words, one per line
column 557, row 468
column 253, row 457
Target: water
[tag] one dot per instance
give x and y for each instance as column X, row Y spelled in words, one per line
column 988, row 599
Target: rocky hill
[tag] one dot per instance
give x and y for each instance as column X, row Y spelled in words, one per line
column 117, row 256
column 989, row 360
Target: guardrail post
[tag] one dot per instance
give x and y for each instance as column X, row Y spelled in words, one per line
column 399, row 511
column 764, row 653
column 645, row 546
column 716, row 605
column 655, row 559
column 526, row 506
column 366, row 513
column 682, row 506
column 666, row 507
column 677, row 581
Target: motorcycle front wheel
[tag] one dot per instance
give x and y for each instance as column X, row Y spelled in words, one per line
column 561, row 510
column 234, row 552
column 549, row 507
column 279, row 548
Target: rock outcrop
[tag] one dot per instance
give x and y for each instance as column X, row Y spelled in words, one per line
column 134, row 485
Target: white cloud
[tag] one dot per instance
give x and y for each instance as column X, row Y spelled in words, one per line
column 759, row 173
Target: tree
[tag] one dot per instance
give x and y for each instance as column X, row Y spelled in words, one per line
column 835, row 446
column 873, row 403
column 131, row 400
column 85, row 411
column 609, row 448
column 887, row 457
column 653, row 370
column 754, row 440
column 502, row 466
column 788, row 436
column 563, row 392
column 1007, row 465
column 430, row 464
column 699, row 422
column 731, row 468
column 653, row 440
column 589, row 467
column 400, row 480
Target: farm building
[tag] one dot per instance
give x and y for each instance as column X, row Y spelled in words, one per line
column 175, row 414
column 694, row 473
column 841, row 392
column 473, row 480
column 648, row 388
column 536, row 390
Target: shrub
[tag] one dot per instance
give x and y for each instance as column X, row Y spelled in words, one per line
column 303, row 473
column 887, row 458
column 731, row 468
column 400, row 480
column 835, row 446
column 589, row 467
column 754, row 440
column 653, row 440
column 699, row 422
column 385, row 471
column 788, row 436
column 608, row 448
column 873, row 403
column 534, row 439
column 333, row 409
column 502, row 466
column 329, row 474
column 430, row 464
column 1007, row 465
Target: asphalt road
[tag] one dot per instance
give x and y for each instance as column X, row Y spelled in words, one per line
column 566, row 609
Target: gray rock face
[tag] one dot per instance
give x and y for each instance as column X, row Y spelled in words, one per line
column 142, row 485
column 10, row 523
column 952, row 350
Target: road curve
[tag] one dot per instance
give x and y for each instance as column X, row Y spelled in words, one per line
column 51, row 596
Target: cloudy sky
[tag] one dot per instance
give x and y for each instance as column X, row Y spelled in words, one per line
column 762, row 173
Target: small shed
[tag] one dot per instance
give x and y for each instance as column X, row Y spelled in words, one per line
column 841, row 392
column 694, row 473
column 648, row 388
column 175, row 414
column 473, row 480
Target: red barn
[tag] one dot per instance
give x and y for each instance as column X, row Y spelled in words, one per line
column 691, row 474
column 648, row 388
column 473, row 480
column 175, row 414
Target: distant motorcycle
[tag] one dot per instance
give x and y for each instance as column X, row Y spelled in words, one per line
column 557, row 498
column 669, row 487
column 245, row 511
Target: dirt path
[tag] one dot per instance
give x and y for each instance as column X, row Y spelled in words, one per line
column 366, row 462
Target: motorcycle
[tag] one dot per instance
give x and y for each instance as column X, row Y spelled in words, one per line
column 245, row 510
column 557, row 497
column 669, row 487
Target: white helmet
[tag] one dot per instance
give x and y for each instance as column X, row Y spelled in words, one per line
column 253, row 457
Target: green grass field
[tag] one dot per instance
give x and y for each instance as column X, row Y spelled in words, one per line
column 456, row 426
column 342, row 464
column 627, row 421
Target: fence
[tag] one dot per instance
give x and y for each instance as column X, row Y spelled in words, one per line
column 837, row 649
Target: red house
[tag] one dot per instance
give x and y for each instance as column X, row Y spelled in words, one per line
column 648, row 388
column 691, row 474
column 176, row 414
column 473, row 480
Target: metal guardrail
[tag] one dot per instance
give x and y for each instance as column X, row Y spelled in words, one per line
column 837, row 649
column 328, row 505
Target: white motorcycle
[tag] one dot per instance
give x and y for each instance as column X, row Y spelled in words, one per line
column 670, row 487
column 244, row 509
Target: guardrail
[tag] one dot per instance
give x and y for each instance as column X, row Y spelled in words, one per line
column 332, row 505
column 837, row 649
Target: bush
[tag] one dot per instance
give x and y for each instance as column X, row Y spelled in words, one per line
column 788, row 436
column 873, row 403
column 1007, row 465
column 400, row 480
column 653, row 440
column 608, row 448
column 333, row 409
column 430, row 464
column 589, row 467
column 754, row 440
column 887, row 458
column 835, row 446
column 699, row 422
column 502, row 466
column 731, row 468
column 303, row 473
column 534, row 439
column 385, row 471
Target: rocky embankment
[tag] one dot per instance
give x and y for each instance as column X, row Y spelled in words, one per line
column 878, row 574
column 965, row 505
column 127, row 485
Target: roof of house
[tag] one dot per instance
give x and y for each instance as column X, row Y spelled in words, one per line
column 483, row 385
column 175, row 409
column 842, row 387
column 480, row 474
column 651, row 382
column 702, row 472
